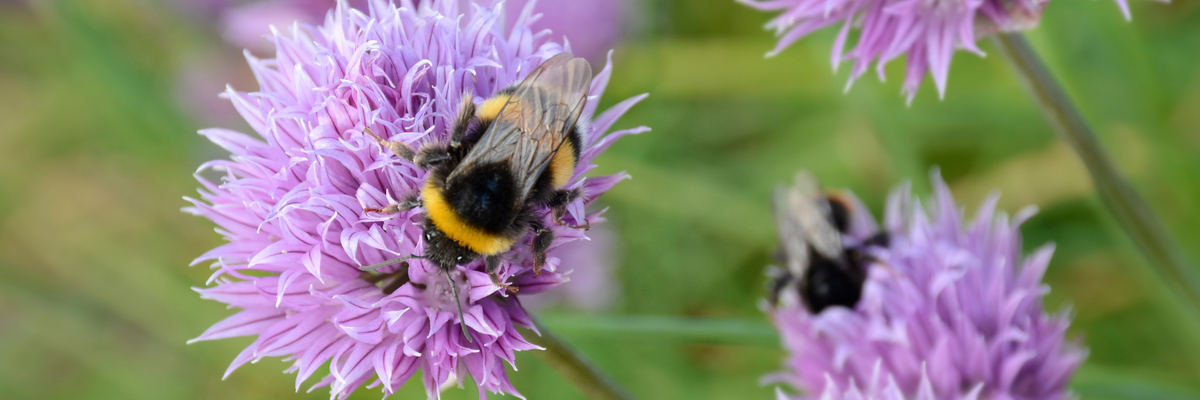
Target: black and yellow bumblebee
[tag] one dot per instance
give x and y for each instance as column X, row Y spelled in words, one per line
column 819, row 267
column 505, row 159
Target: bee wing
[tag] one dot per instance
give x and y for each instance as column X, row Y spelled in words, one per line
column 804, row 219
column 533, row 124
column 791, row 232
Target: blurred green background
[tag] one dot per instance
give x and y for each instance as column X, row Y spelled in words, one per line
column 100, row 101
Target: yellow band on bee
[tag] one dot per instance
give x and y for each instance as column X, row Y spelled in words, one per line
column 563, row 165
column 446, row 220
column 491, row 107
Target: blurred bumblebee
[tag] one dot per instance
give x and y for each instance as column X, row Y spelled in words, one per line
column 504, row 159
column 819, row 268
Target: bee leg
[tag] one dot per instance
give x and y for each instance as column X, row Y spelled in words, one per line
column 454, row 290
column 558, row 206
column 862, row 258
column 462, row 125
column 493, row 270
column 399, row 149
column 778, row 280
column 409, row 202
column 541, row 243
column 879, row 239
column 558, row 213
column 431, row 155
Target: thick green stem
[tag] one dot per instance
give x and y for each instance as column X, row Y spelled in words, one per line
column 1129, row 209
column 563, row 358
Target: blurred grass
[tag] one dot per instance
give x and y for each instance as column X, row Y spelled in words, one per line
column 97, row 145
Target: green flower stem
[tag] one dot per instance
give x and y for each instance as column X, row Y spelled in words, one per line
column 560, row 356
column 1130, row 210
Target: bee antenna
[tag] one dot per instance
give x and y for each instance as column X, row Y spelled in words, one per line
column 461, row 321
column 374, row 267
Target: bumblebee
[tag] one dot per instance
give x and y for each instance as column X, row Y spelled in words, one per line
column 810, row 225
column 505, row 159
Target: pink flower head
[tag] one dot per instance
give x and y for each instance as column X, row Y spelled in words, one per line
column 928, row 31
column 291, row 198
column 948, row 312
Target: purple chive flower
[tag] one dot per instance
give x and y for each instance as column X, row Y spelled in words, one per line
column 928, row 31
column 948, row 313
column 291, row 199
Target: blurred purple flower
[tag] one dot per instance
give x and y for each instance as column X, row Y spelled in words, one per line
column 291, row 203
column 928, row 31
column 946, row 314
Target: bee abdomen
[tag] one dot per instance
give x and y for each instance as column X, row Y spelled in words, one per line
column 562, row 167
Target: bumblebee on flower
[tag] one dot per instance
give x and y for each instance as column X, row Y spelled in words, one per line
column 300, row 207
column 944, row 312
